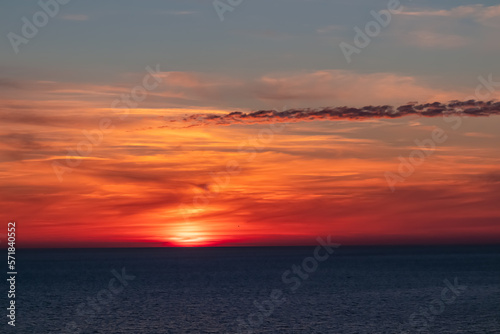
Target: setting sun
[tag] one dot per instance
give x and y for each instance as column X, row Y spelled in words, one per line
column 187, row 235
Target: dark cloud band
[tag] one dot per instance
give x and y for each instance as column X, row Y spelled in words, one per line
column 470, row 108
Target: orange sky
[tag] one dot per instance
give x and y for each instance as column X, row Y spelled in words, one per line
column 143, row 184
column 108, row 139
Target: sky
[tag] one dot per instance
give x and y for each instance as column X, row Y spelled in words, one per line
column 201, row 123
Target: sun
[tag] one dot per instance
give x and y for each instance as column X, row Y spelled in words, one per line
column 188, row 240
column 188, row 236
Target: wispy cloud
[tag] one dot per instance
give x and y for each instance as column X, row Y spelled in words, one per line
column 431, row 39
column 479, row 135
column 325, row 87
column 486, row 15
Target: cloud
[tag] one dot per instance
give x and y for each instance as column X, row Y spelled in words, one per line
column 7, row 83
column 449, row 29
column 217, row 91
column 344, row 87
column 485, row 15
column 479, row 135
column 20, row 141
column 431, row 39
column 303, row 89
column 436, row 109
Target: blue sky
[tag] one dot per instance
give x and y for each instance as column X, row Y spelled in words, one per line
column 92, row 41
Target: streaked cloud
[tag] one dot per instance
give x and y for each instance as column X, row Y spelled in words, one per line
column 211, row 90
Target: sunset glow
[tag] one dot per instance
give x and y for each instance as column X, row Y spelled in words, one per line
column 269, row 137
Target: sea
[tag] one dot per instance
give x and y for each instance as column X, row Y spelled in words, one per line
column 319, row 289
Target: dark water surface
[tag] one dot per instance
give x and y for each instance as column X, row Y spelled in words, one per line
column 254, row 290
